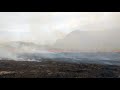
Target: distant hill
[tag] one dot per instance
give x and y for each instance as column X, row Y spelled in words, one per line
column 107, row 40
column 19, row 46
column 90, row 41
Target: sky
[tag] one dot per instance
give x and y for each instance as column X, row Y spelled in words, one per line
column 47, row 27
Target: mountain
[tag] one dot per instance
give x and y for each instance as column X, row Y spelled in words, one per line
column 106, row 40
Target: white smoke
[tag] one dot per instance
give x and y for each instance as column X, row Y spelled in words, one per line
column 4, row 53
column 12, row 51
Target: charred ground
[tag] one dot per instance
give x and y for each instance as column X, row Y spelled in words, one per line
column 56, row 69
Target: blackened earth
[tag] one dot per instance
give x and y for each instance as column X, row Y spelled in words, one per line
column 56, row 69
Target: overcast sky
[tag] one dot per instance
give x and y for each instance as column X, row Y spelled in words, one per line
column 47, row 27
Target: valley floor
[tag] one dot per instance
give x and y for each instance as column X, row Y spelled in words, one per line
column 56, row 69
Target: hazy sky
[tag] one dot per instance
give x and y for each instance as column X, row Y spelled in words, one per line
column 46, row 27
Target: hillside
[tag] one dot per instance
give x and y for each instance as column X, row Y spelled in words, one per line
column 90, row 41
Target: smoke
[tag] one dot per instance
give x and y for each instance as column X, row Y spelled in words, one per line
column 17, row 51
column 6, row 54
column 46, row 28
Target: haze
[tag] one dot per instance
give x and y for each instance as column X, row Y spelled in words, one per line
column 48, row 27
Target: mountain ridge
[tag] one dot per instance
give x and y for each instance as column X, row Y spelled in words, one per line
column 90, row 40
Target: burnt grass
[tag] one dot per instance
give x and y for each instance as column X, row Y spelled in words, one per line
column 56, row 69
